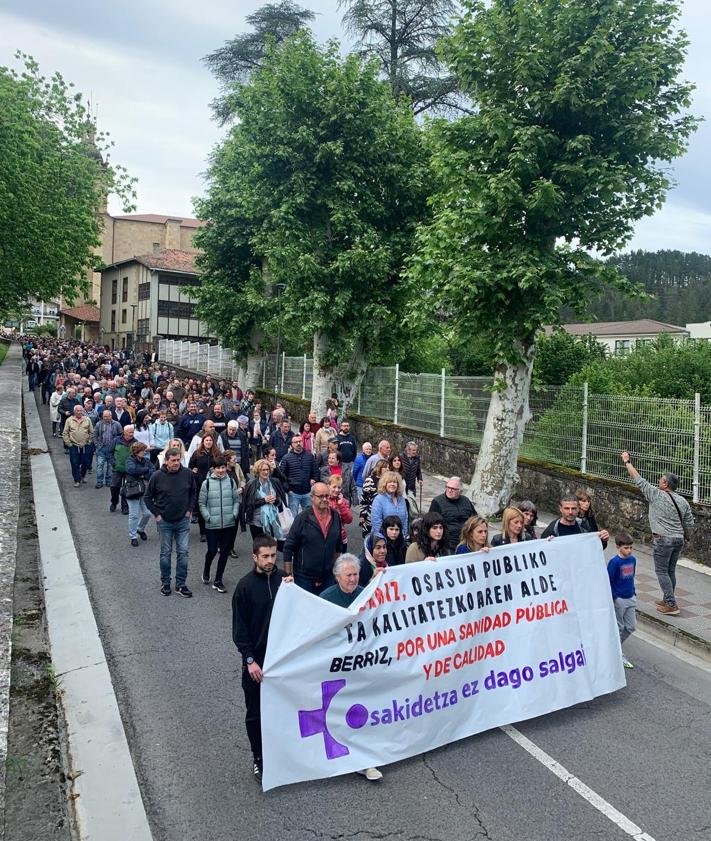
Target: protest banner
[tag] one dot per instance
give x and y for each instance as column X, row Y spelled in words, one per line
column 433, row 652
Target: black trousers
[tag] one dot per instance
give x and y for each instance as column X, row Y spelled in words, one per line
column 222, row 541
column 117, row 490
column 252, row 720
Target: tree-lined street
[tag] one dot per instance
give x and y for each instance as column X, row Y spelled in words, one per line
column 175, row 670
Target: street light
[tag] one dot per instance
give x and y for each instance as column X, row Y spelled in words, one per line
column 133, row 328
column 279, row 288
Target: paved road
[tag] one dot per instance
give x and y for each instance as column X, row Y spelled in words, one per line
column 644, row 749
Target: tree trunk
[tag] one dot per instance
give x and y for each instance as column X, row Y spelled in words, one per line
column 241, row 373
column 323, row 376
column 344, row 380
column 347, row 382
column 253, row 372
column 496, row 471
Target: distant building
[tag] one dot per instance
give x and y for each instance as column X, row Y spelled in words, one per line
column 82, row 322
column 43, row 312
column 700, row 330
column 620, row 337
column 148, row 297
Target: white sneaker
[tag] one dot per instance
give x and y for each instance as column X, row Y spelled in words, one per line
column 626, row 663
column 371, row 774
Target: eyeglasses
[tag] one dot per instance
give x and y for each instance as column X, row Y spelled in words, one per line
column 320, row 496
column 452, row 488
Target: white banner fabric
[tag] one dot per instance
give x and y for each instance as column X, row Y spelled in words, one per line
column 433, row 652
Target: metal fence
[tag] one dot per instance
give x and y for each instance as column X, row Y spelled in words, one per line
column 568, row 426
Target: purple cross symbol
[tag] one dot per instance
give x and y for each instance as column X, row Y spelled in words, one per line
column 312, row 722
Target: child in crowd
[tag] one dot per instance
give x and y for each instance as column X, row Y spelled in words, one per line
column 621, row 570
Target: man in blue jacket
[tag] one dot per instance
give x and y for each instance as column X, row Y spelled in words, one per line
column 299, row 468
column 189, row 425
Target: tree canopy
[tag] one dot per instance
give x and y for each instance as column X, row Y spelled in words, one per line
column 320, row 192
column 234, row 62
column 403, row 35
column 578, row 104
column 53, row 181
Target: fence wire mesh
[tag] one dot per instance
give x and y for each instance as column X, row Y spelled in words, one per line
column 660, row 434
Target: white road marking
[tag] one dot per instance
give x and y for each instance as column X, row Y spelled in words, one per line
column 594, row 799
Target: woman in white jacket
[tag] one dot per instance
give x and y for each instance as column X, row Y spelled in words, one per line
column 54, row 400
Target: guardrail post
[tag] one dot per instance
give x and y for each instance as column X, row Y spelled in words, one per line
column 283, row 369
column 441, row 403
column 584, row 443
column 303, row 381
column 697, row 445
column 397, row 391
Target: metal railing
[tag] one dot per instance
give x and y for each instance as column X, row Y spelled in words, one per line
column 568, row 426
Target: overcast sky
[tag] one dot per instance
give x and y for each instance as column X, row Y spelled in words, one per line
column 140, row 64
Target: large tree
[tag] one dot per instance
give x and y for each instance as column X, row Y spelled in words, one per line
column 403, row 36
column 235, row 61
column 317, row 189
column 53, row 181
column 578, row 104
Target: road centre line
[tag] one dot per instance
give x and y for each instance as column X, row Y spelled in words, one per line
column 607, row 809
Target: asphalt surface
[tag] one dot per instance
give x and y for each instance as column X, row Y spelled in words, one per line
column 644, row 749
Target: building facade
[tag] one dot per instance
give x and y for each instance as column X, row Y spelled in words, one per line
column 621, row 337
column 150, row 297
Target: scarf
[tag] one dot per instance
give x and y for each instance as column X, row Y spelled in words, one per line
column 268, row 513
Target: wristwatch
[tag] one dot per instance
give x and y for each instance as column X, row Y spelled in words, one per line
column 249, row 661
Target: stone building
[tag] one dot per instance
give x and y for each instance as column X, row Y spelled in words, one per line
column 147, row 297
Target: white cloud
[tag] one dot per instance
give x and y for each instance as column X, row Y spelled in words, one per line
column 140, row 61
column 675, row 226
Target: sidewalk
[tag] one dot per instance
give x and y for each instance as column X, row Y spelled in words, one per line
column 691, row 630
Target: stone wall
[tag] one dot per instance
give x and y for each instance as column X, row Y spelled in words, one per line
column 617, row 505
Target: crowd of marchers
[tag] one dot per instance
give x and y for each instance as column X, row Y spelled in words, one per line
column 199, row 451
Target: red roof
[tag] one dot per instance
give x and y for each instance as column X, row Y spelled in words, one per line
column 169, row 259
column 83, row 313
column 161, row 220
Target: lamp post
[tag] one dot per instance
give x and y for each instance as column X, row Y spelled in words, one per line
column 279, row 288
column 133, row 328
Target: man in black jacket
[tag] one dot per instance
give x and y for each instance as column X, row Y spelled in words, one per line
column 171, row 498
column 454, row 508
column 313, row 543
column 412, row 467
column 299, row 468
column 252, row 604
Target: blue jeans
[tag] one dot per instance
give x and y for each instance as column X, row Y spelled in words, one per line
column 304, row 500
column 79, row 462
column 179, row 531
column 310, row 585
column 104, row 465
column 666, row 551
column 138, row 517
